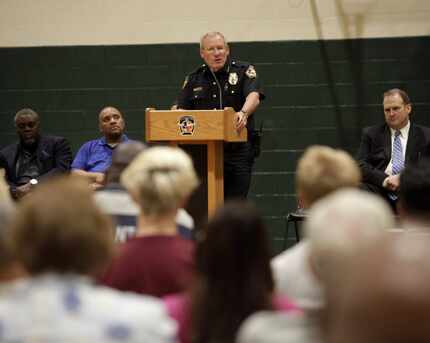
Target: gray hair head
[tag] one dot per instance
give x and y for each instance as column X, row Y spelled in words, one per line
column 212, row 34
column 26, row 112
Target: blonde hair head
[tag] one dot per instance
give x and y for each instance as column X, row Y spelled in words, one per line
column 322, row 170
column 160, row 179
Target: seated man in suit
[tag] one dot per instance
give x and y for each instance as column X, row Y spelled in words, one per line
column 95, row 156
column 35, row 157
column 386, row 148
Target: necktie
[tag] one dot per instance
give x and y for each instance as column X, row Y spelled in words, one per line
column 397, row 161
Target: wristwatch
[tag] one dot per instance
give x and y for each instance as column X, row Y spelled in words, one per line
column 34, row 182
column 245, row 113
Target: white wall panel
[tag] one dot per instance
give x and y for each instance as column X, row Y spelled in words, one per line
column 95, row 22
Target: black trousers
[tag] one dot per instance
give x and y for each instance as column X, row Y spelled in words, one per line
column 238, row 162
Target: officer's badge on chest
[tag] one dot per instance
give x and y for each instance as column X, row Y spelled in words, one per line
column 233, row 78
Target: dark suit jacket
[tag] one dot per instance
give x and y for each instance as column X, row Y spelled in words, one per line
column 54, row 155
column 375, row 150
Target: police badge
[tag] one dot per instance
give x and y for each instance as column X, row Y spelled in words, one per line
column 186, row 125
column 233, row 78
column 251, row 73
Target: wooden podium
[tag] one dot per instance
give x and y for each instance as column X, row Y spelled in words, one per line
column 206, row 127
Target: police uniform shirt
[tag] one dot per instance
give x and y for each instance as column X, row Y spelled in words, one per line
column 228, row 87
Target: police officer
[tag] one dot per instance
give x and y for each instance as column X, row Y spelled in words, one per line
column 222, row 82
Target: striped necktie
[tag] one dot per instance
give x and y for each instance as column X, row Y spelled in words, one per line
column 398, row 162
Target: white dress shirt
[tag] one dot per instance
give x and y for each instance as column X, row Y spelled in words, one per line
column 404, row 132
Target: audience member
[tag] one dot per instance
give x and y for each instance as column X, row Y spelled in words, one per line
column 35, row 157
column 157, row 261
column 233, row 278
column 95, row 157
column 10, row 268
column 386, row 148
column 114, row 199
column 320, row 171
column 382, row 294
column 338, row 226
column 62, row 240
column 5, row 196
column 414, row 196
column 341, row 225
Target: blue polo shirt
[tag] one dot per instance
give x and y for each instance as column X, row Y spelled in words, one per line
column 95, row 155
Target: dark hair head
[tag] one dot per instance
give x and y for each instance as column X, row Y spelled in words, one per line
column 234, row 275
column 234, row 243
column 400, row 92
column 122, row 156
column 414, row 193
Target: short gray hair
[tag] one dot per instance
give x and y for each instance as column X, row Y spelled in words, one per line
column 26, row 112
column 344, row 221
column 212, row 34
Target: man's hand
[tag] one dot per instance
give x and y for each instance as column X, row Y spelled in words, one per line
column 99, row 178
column 392, row 182
column 22, row 190
column 95, row 179
column 240, row 119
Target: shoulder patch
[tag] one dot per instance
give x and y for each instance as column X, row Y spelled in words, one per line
column 250, row 72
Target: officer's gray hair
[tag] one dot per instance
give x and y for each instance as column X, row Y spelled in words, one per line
column 212, row 34
column 26, row 112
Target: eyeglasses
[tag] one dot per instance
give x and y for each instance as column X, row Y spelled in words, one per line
column 213, row 50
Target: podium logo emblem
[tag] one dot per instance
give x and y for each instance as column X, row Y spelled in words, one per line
column 186, row 125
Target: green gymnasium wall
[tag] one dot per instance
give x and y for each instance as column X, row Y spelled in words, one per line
column 318, row 92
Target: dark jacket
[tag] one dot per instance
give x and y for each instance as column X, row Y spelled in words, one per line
column 54, row 156
column 375, row 150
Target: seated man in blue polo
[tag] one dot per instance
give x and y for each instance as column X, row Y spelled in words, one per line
column 95, row 156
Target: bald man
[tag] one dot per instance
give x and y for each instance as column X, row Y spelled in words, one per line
column 95, row 156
